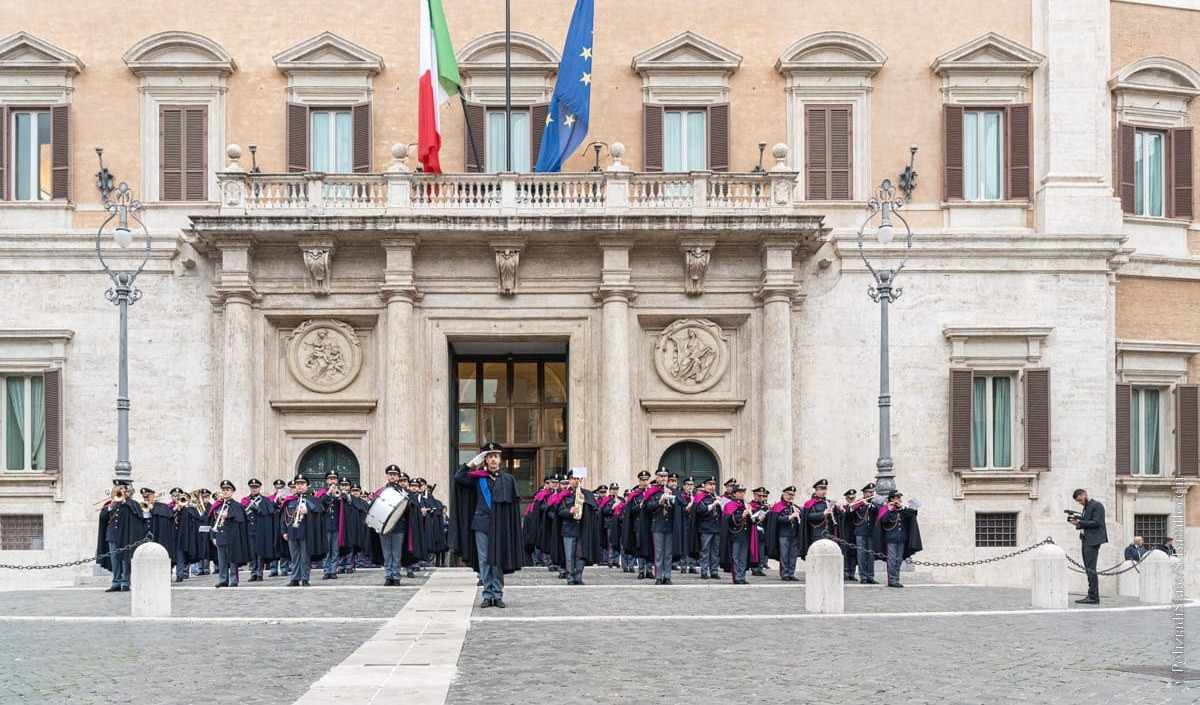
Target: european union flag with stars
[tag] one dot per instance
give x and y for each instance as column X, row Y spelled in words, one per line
column 567, row 119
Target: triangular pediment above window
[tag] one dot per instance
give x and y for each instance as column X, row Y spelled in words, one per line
column 177, row 51
column 990, row 52
column 832, row 52
column 23, row 52
column 687, row 51
column 328, row 52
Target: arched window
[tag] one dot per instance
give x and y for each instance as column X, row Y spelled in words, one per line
column 326, row 457
column 691, row 459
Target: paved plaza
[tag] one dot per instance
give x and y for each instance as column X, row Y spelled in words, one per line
column 615, row 639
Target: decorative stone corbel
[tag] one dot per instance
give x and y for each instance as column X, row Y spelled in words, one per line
column 696, row 255
column 318, row 259
column 508, row 260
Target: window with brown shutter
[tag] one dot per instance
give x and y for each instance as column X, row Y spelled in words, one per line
column 1037, row 419
column 1187, row 430
column 1182, row 194
column 361, row 139
column 537, row 127
column 183, row 152
column 3, row 153
column 952, row 152
column 297, row 137
column 1126, row 166
column 53, row 399
column 718, row 137
column 1123, row 422
column 827, row 152
column 652, row 137
column 60, row 152
column 961, row 419
column 475, row 138
column 1019, row 155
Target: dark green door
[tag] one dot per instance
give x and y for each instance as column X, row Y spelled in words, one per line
column 327, row 457
column 690, row 459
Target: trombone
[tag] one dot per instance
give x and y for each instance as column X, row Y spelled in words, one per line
column 115, row 496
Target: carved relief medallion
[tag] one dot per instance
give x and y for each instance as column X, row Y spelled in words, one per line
column 691, row 355
column 324, row 355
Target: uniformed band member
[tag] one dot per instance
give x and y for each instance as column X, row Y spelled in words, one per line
column 333, row 503
column 845, row 531
column 484, row 505
column 862, row 513
column 640, row 544
column 783, row 532
column 120, row 525
column 760, row 504
column 189, row 542
column 896, row 535
column 665, row 516
column 301, row 526
column 261, row 529
column 707, row 510
column 579, row 516
column 395, row 542
column 229, row 536
column 739, row 535
column 818, row 517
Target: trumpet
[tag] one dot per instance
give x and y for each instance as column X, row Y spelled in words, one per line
column 146, row 505
column 115, row 496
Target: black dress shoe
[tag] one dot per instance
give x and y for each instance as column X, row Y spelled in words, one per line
column 667, row 581
column 304, row 583
column 232, row 585
column 740, row 582
column 704, row 576
column 114, row 588
column 410, row 575
column 898, row 585
column 868, row 581
column 579, row 582
column 1088, row 601
column 486, row 603
column 293, row 583
column 499, row 603
column 658, row 581
column 221, row 585
column 641, row 576
column 179, row 578
column 478, row 583
column 125, row 588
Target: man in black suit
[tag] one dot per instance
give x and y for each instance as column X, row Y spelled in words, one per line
column 1093, row 535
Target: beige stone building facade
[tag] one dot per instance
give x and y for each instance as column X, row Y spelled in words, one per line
column 335, row 308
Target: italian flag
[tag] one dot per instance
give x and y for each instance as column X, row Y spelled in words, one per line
column 439, row 80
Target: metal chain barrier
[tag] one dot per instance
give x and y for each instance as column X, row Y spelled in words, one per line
column 1107, row 571
column 81, row 561
column 946, row 564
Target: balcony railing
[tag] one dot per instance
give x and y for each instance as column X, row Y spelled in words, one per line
column 592, row 193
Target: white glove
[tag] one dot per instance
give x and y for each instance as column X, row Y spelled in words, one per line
column 476, row 461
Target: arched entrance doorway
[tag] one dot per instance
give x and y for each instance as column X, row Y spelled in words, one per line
column 328, row 457
column 692, row 459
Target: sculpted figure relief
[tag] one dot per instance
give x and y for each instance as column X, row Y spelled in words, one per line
column 696, row 265
column 324, row 355
column 691, row 355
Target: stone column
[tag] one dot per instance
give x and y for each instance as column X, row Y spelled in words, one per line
column 235, row 289
column 616, row 423
column 1073, row 126
column 775, row 353
column 400, row 292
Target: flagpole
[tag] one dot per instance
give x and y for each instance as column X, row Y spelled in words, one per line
column 507, row 85
column 462, row 99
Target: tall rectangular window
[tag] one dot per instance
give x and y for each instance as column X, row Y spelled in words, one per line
column 23, row 429
column 992, row 414
column 496, row 146
column 1145, row 432
column 31, row 179
column 983, row 150
column 1149, row 170
column 685, row 140
column 332, row 139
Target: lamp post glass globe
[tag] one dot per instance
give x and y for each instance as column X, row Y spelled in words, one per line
column 885, row 234
column 123, row 237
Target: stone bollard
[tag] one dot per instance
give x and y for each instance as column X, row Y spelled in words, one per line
column 1157, row 586
column 1129, row 582
column 150, row 581
column 1048, row 564
column 823, row 586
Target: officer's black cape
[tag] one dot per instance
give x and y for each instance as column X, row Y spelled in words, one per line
column 504, row 537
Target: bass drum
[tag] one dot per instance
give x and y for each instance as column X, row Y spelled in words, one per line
column 387, row 509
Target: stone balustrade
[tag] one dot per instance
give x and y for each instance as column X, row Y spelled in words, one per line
column 404, row 193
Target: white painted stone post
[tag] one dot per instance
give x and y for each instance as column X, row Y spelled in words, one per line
column 150, row 581
column 824, row 590
column 1048, row 564
column 1129, row 582
column 1157, row 582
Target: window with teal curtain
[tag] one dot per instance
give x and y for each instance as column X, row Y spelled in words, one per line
column 697, row 141
column 1149, row 159
column 37, row 422
column 673, row 152
column 14, row 422
column 979, row 423
column 983, row 155
column 1001, row 422
column 1135, row 432
column 332, row 134
column 496, row 145
column 1151, row 405
column 320, row 141
column 342, row 133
